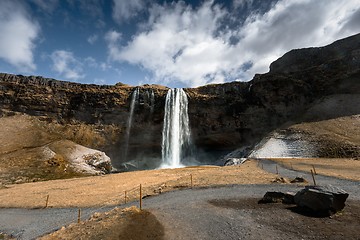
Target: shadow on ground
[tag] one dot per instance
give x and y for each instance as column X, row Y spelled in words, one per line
column 290, row 219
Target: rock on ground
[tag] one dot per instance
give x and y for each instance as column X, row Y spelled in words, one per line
column 321, row 199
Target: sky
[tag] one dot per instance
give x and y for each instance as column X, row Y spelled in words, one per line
column 172, row 43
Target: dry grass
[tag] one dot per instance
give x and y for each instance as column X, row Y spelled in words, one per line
column 345, row 168
column 128, row 223
column 109, row 190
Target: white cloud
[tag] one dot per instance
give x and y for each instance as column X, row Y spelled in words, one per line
column 104, row 66
column 99, row 81
column 18, row 35
column 47, row 5
column 67, row 65
column 113, row 38
column 91, row 62
column 179, row 43
column 293, row 24
column 124, row 10
column 92, row 39
column 242, row 3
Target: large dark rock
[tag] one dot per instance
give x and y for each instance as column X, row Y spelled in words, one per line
column 277, row 197
column 321, row 199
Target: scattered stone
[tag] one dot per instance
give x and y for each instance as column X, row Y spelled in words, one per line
column 146, row 196
column 272, row 197
column 280, row 180
column 234, row 161
column 96, row 215
column 299, row 180
column 160, row 189
column 321, row 199
column 278, row 197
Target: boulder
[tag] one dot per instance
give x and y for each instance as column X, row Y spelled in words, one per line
column 321, row 199
column 234, row 161
column 278, row 197
column 280, row 180
column 298, row 180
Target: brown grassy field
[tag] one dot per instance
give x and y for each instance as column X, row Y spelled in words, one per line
column 335, row 167
column 109, row 189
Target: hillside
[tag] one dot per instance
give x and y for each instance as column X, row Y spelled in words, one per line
column 31, row 150
column 305, row 85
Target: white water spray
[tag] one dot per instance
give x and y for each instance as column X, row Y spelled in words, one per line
column 152, row 102
column 176, row 135
column 134, row 99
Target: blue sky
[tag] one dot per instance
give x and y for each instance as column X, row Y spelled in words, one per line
column 173, row 43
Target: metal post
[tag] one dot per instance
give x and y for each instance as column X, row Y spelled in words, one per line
column 277, row 171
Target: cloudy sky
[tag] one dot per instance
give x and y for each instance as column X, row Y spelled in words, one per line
column 173, row 43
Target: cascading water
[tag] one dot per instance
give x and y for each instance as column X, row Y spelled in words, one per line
column 176, row 134
column 152, row 102
column 134, row 99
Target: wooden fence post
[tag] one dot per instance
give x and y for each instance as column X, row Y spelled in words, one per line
column 79, row 215
column 47, row 201
column 314, row 170
column 125, row 197
column 191, row 180
column 313, row 177
column 140, row 198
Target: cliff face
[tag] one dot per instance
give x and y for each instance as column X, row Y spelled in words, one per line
column 300, row 85
column 95, row 116
column 222, row 117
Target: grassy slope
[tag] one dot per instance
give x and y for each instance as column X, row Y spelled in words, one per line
column 25, row 154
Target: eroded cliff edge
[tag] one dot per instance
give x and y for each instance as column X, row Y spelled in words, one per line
column 302, row 86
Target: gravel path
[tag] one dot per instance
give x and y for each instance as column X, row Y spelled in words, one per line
column 31, row 223
column 189, row 209
column 188, row 214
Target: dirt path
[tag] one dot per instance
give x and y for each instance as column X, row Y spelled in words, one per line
column 230, row 212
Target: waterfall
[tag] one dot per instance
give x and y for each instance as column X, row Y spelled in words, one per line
column 152, row 102
column 134, row 99
column 176, row 135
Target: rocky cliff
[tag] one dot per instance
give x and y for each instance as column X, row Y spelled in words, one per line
column 304, row 85
column 299, row 86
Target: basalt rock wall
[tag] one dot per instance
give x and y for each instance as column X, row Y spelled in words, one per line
column 222, row 117
column 69, row 103
column 233, row 114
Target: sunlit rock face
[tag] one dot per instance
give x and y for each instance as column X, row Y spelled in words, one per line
column 285, row 145
column 222, row 117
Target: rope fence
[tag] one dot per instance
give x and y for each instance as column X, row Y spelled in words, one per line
column 135, row 194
